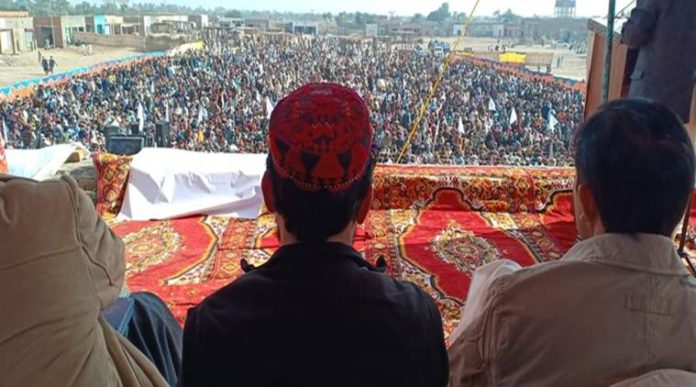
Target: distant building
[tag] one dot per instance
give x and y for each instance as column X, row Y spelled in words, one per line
column 200, row 21
column 58, row 30
column 97, row 24
column 16, row 32
column 305, row 28
column 104, row 24
column 372, row 30
column 260, row 24
column 486, row 29
column 563, row 30
column 458, row 29
column 114, row 24
column 138, row 24
column 565, row 9
column 229, row 22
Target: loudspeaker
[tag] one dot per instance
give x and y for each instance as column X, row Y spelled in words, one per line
column 163, row 134
column 110, row 131
column 125, row 145
column 135, row 129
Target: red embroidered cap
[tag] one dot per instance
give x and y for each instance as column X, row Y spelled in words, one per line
column 320, row 137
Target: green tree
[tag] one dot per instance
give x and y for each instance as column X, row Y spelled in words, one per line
column 234, row 13
column 440, row 14
column 85, row 8
column 417, row 18
column 509, row 16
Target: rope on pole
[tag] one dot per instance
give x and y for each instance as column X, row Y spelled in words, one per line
column 434, row 87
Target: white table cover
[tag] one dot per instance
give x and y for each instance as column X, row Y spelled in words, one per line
column 169, row 183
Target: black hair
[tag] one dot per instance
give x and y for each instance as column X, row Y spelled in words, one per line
column 638, row 162
column 314, row 216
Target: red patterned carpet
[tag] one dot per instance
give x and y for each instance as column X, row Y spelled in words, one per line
column 433, row 225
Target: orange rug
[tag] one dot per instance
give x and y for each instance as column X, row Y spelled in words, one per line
column 433, row 225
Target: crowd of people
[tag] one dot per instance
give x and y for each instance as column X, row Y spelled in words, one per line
column 219, row 99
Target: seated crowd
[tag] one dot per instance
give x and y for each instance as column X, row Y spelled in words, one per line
column 617, row 306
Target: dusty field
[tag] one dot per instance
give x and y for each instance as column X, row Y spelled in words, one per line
column 574, row 66
column 15, row 68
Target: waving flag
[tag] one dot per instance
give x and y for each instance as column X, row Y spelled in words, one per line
column 552, row 123
column 141, row 117
column 269, row 108
column 201, row 115
column 513, row 116
column 491, row 105
column 460, row 126
column 5, row 132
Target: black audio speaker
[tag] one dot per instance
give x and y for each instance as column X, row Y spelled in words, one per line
column 110, row 131
column 135, row 129
column 163, row 135
column 125, row 145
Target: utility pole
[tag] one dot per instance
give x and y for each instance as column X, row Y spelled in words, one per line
column 53, row 29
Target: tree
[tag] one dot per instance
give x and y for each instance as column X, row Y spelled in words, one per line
column 509, row 16
column 440, row 14
column 85, row 8
column 234, row 14
column 417, row 18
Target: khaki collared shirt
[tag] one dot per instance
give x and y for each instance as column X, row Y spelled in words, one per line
column 60, row 266
column 615, row 307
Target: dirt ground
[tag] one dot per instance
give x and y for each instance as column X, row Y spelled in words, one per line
column 15, row 68
column 573, row 65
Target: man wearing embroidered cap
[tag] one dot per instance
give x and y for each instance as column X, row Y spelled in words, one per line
column 316, row 314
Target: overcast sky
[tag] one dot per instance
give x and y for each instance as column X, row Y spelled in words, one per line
column 407, row 7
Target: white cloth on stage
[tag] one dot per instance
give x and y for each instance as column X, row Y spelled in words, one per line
column 169, row 183
column 480, row 282
column 39, row 164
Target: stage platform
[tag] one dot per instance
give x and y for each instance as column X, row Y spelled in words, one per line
column 434, row 226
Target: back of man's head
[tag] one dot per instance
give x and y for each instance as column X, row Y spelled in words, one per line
column 638, row 162
column 320, row 163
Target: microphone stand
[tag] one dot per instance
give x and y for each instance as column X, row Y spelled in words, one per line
column 684, row 231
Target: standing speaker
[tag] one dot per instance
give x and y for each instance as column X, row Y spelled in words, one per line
column 135, row 129
column 110, row 131
column 163, row 134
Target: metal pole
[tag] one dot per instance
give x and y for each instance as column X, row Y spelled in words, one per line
column 610, row 48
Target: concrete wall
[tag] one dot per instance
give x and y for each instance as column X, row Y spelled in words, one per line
column 132, row 41
column 142, row 43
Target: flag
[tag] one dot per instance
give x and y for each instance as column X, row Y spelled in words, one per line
column 200, row 115
column 513, row 116
column 166, row 112
column 152, row 88
column 551, row 149
column 5, row 134
column 491, row 105
column 269, row 107
column 141, row 117
column 552, row 123
column 222, row 101
column 460, row 126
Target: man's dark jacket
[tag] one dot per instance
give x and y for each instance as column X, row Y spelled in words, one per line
column 315, row 315
column 665, row 33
